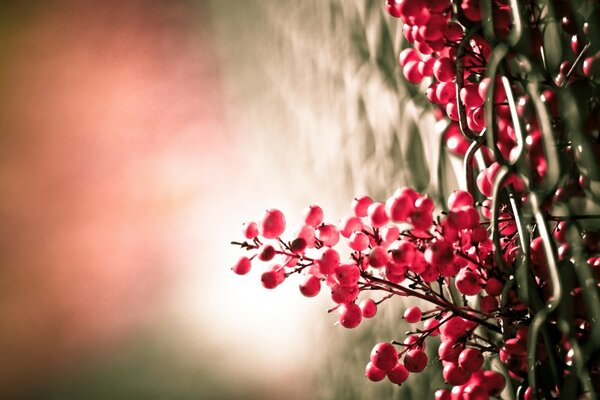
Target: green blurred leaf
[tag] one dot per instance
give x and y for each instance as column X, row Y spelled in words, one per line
column 416, row 170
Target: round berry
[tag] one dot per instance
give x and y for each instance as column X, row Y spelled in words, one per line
column 368, row 307
column 470, row 360
column 360, row 205
column 412, row 314
column 385, row 356
column 313, row 215
column 378, row 257
column 272, row 225
column 311, row 286
column 444, row 69
column 358, row 241
column 398, row 374
column 377, row 215
column 250, row 230
column 373, row 373
column 349, row 315
column 266, row 252
column 242, row 266
column 328, row 234
column 328, row 262
column 455, row 376
column 415, row 360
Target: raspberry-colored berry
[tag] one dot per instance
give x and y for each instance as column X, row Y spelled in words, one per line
column 250, row 230
column 368, row 307
column 311, row 286
column 398, row 374
column 360, row 205
column 377, row 215
column 412, row 314
column 349, row 315
column 313, row 215
column 272, row 225
column 242, row 266
column 415, row 360
column 373, row 373
column 470, row 360
column 385, row 356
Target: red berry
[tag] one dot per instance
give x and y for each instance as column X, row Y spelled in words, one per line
column 398, row 374
column 408, row 54
column 311, row 286
column 468, row 282
column 347, row 274
column 415, row 360
column 272, row 225
column 455, row 376
column 373, row 373
column 470, row 360
column 368, row 307
column 378, row 257
column 250, row 230
column 385, row 356
column 377, row 215
column 349, row 315
column 358, row 241
column 444, row 69
column 328, row 234
column 328, row 262
column 450, row 350
column 349, row 225
column 242, row 266
column 266, row 252
column 411, row 72
column 412, row 314
column 442, row 394
column 272, row 278
column 313, row 215
column 360, row 205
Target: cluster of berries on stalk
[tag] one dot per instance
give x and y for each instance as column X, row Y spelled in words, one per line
column 397, row 247
column 447, row 259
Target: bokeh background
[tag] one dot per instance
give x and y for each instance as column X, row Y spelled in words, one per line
column 136, row 138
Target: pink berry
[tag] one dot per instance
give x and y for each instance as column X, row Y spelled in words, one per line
column 455, row 376
column 347, row 274
column 242, row 266
column 360, row 205
column 398, row 374
column 454, row 327
column 488, row 304
column 385, row 356
column 311, row 286
column 408, row 54
column 273, row 277
column 446, row 93
column 444, row 69
column 475, row 392
column 411, row 72
column 378, row 257
column 377, row 215
column 368, row 307
column 328, row 262
column 313, row 215
column 415, row 360
column 349, row 315
column 460, row 198
column 432, row 325
column 450, row 350
column 373, row 373
column 467, row 282
column 349, row 225
column 272, row 225
column 398, row 208
column 358, row 241
column 343, row 294
column 250, row 230
column 469, row 95
column 412, row 314
column 328, row 234
column 266, row 252
column 470, row 360
column 442, row 394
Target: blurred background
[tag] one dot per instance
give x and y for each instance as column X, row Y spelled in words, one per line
column 136, row 138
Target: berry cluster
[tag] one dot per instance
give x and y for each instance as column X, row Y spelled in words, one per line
column 400, row 247
column 486, row 271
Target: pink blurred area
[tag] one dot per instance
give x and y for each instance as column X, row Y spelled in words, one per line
column 112, row 125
